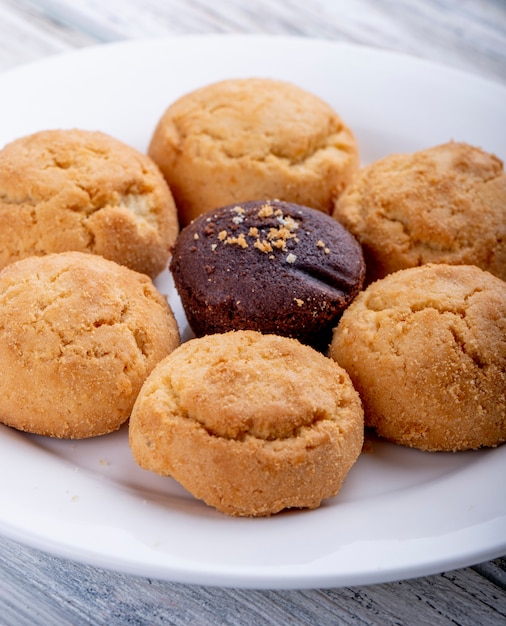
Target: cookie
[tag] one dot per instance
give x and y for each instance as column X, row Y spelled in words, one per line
column 78, row 336
column 251, row 424
column 247, row 139
column 79, row 190
column 269, row 266
column 446, row 204
column 425, row 348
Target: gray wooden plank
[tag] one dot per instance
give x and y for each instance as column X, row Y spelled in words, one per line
column 27, row 35
column 467, row 35
column 494, row 571
column 63, row 592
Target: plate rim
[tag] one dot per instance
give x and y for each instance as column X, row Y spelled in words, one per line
column 231, row 580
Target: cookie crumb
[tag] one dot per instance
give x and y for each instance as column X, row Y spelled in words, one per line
column 291, row 258
column 240, row 240
column 263, row 245
column 288, row 222
column 367, row 447
column 266, row 211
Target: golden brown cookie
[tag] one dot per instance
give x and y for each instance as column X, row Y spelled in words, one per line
column 249, row 139
column 249, row 423
column 78, row 336
column 426, row 349
column 79, row 190
column 446, row 204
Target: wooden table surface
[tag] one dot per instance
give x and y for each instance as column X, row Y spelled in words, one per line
column 38, row 588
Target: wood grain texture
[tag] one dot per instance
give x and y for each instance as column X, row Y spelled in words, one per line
column 469, row 35
column 60, row 592
column 36, row 588
column 27, row 35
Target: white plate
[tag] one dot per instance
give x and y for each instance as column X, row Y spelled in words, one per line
column 401, row 513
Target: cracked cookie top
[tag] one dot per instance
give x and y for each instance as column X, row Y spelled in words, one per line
column 426, row 349
column 80, row 190
column 249, row 423
column 446, row 204
column 78, row 336
column 244, row 139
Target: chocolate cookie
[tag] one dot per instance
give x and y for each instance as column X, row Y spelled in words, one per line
column 268, row 266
